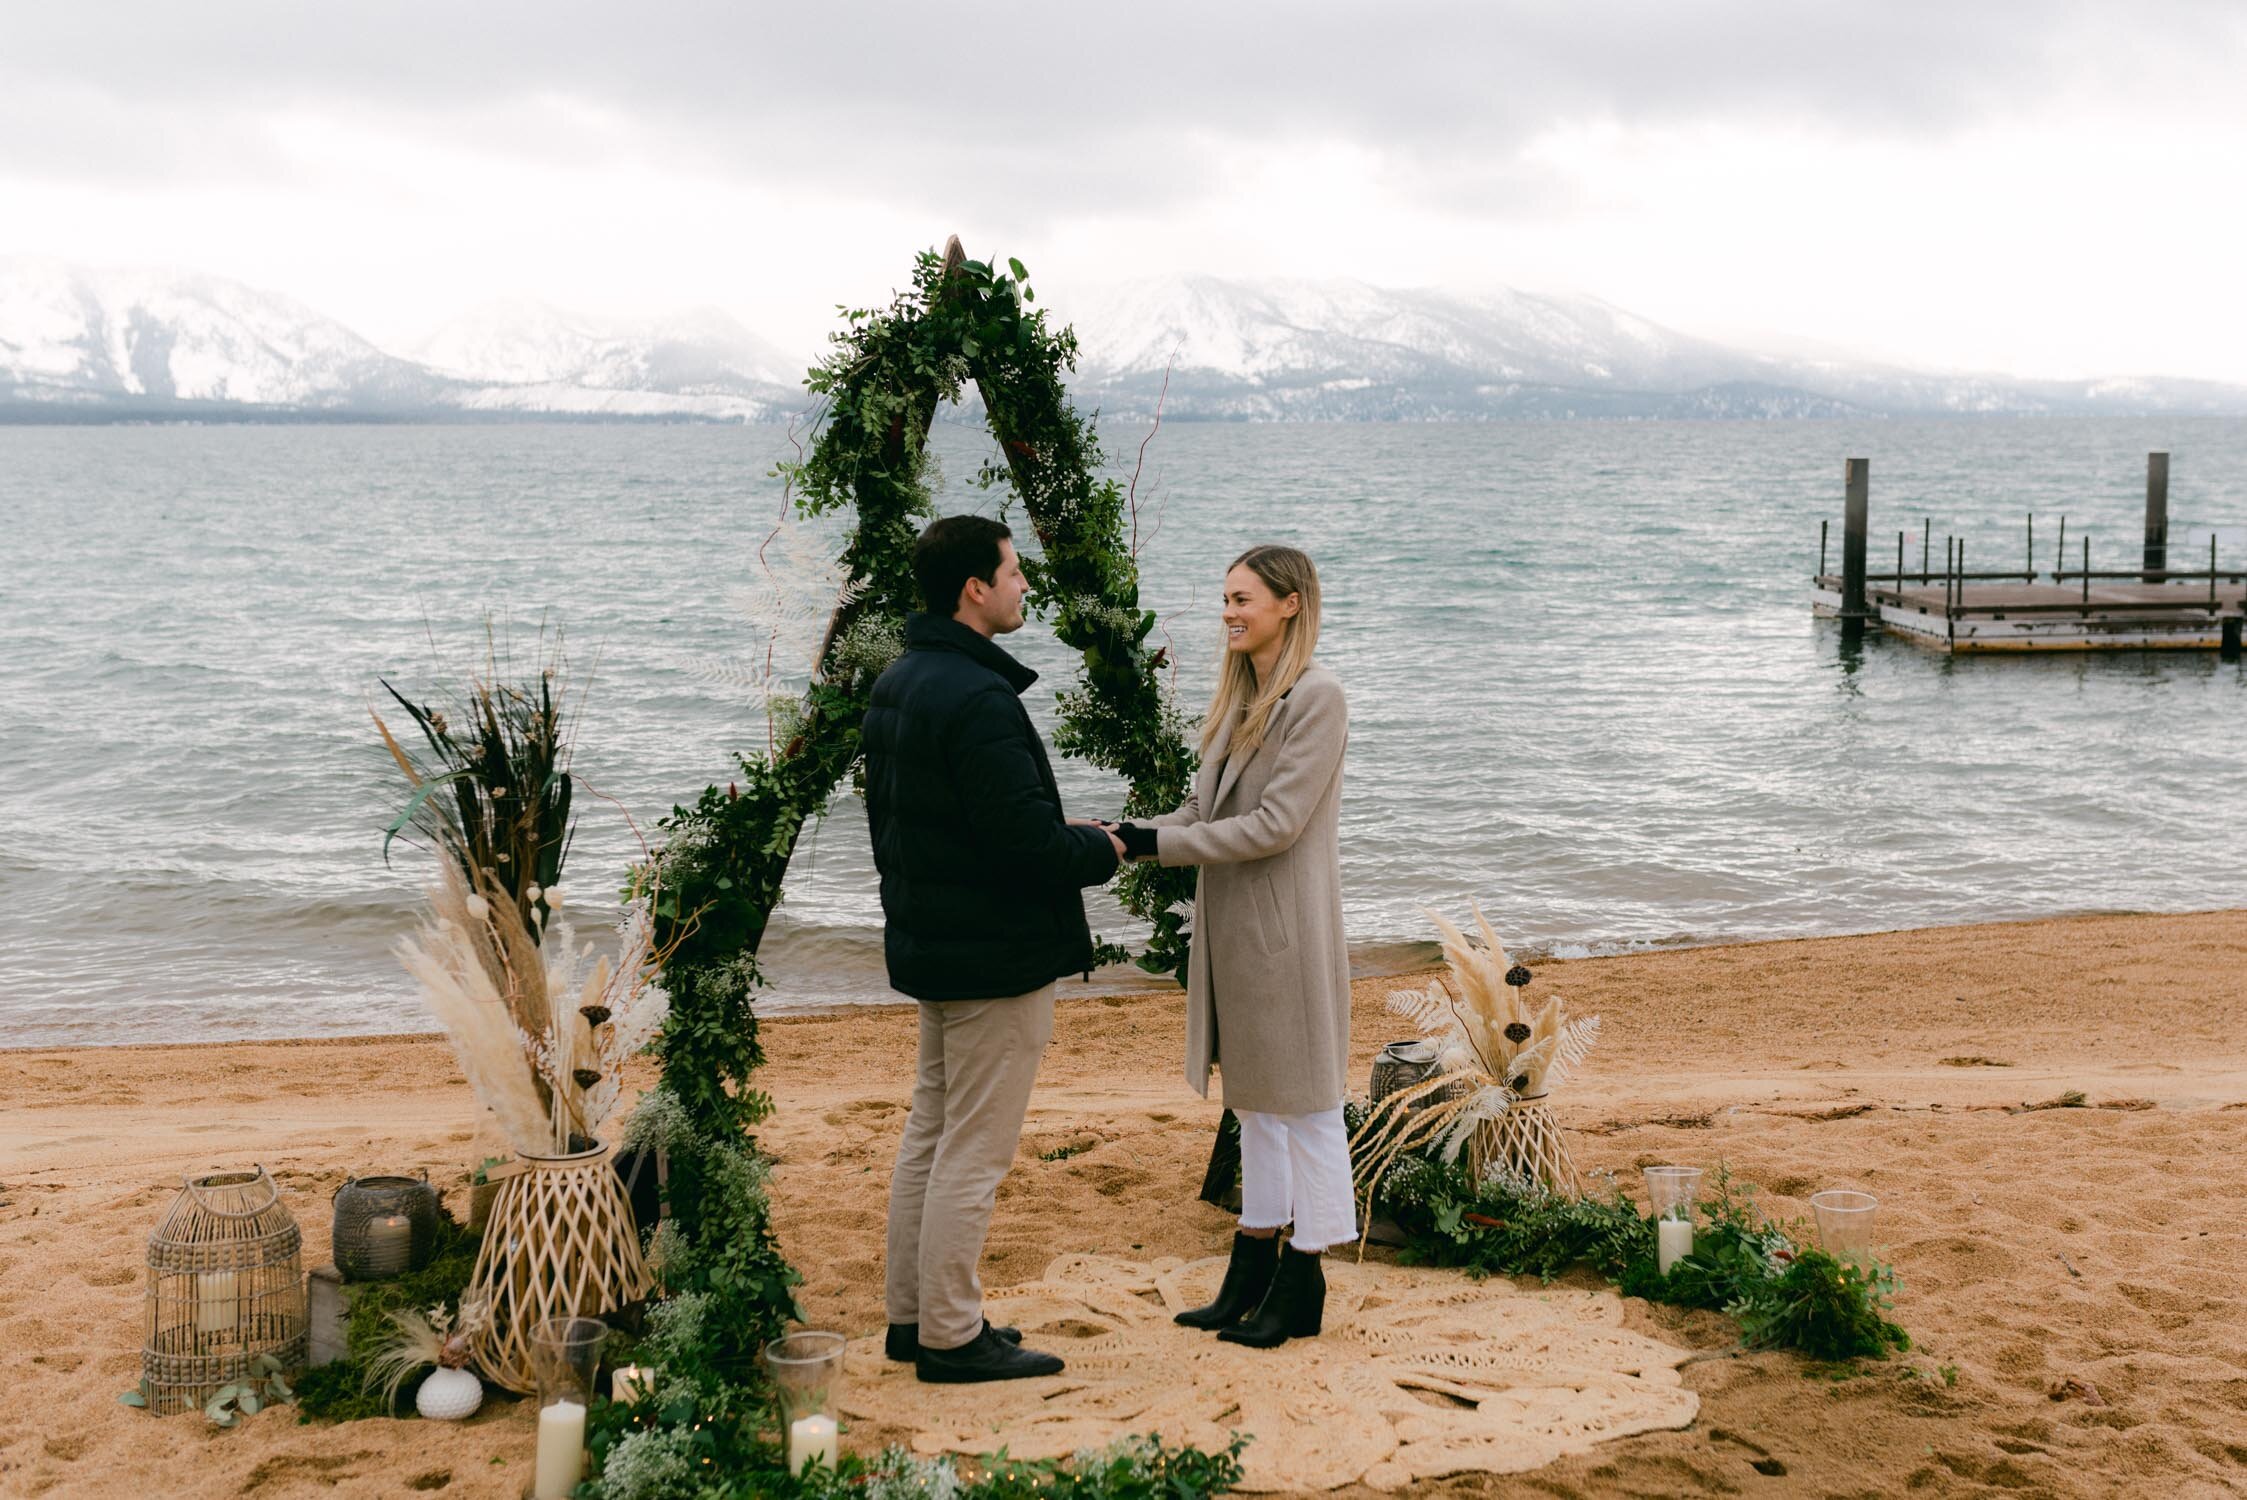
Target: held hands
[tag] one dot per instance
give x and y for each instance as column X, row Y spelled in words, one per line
column 1106, row 828
column 1133, row 842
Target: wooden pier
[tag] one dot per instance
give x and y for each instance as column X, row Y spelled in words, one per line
column 2152, row 607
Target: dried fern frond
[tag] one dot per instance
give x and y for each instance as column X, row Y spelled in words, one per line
column 413, row 1341
column 1428, row 1009
column 1573, row 1043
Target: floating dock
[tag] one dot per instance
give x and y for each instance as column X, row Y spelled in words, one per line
column 2149, row 608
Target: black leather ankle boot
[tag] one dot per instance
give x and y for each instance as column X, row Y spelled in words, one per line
column 1247, row 1275
column 1294, row 1308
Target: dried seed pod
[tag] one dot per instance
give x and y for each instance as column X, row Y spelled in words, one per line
column 1517, row 976
column 586, row 1077
column 594, row 1014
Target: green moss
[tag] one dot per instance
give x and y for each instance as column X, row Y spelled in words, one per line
column 334, row 1392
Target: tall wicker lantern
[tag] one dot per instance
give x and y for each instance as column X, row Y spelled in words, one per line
column 225, row 1286
column 560, row 1243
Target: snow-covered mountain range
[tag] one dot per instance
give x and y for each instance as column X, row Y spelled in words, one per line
column 1280, row 350
column 86, row 344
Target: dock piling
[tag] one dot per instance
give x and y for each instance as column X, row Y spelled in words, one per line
column 2157, row 516
column 2150, row 602
column 1856, row 510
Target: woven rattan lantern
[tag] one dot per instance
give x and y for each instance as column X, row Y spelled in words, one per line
column 360, row 1203
column 560, row 1243
column 225, row 1286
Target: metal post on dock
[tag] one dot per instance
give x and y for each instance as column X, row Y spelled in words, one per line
column 1899, row 562
column 2031, row 578
column 2211, row 572
column 1856, row 510
column 1822, row 525
column 1926, row 538
column 2157, row 516
column 2085, row 575
column 2060, row 553
column 1950, row 568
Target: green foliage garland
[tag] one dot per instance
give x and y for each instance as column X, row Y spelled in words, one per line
column 715, row 881
column 1782, row 1294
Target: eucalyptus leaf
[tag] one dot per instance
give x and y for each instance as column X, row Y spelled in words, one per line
column 132, row 1398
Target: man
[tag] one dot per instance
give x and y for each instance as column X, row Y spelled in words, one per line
column 981, row 876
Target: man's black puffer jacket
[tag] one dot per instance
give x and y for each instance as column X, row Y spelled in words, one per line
column 980, row 875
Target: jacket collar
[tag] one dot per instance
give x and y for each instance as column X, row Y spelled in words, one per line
column 927, row 632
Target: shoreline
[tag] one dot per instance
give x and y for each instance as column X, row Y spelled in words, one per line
column 1124, row 979
column 2105, row 1243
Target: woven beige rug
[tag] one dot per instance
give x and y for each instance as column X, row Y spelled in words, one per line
column 1419, row 1373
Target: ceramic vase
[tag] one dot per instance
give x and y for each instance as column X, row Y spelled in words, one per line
column 449, row 1395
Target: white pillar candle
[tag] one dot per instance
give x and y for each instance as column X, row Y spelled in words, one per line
column 390, row 1245
column 215, row 1294
column 561, row 1450
column 630, row 1382
column 811, row 1438
column 1674, row 1241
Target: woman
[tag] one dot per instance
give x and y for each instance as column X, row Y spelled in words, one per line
column 1268, row 986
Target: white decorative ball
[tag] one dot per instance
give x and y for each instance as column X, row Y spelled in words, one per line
column 449, row 1395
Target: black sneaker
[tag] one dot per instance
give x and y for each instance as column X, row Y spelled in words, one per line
column 984, row 1357
column 904, row 1339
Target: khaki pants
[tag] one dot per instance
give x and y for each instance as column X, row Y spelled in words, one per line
column 978, row 1059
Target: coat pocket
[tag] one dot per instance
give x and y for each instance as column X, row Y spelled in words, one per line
column 1271, row 916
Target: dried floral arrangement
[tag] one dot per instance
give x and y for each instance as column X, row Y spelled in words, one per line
column 419, row 1339
column 1499, row 1051
column 541, row 1025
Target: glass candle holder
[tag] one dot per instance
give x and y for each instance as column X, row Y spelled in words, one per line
column 564, row 1354
column 1670, row 1190
column 390, row 1245
column 807, row 1375
column 1845, row 1223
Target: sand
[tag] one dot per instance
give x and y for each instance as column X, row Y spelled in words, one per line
column 2101, row 1245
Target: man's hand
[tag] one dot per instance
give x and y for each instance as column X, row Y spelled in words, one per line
column 1106, row 828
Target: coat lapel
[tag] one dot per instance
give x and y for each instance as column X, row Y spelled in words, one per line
column 1234, row 764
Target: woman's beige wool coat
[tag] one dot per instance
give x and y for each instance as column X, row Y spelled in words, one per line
column 1268, row 985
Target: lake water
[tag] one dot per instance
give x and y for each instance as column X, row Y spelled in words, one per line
column 1586, row 687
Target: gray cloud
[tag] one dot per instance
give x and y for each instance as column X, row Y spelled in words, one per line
column 1025, row 113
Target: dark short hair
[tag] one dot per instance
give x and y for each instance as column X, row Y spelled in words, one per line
column 951, row 551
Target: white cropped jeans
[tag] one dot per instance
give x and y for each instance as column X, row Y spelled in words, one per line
column 1295, row 1169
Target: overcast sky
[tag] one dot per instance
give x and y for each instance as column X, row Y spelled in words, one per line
column 2040, row 188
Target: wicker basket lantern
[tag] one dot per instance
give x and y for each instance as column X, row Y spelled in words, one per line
column 560, row 1244
column 225, row 1286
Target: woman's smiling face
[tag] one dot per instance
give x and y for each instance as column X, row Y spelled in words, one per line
column 1254, row 617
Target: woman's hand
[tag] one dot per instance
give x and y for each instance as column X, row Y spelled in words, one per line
column 1139, row 843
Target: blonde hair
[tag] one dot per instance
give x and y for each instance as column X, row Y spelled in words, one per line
column 1241, row 700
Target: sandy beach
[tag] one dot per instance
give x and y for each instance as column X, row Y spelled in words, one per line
column 2098, row 1251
